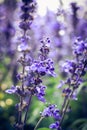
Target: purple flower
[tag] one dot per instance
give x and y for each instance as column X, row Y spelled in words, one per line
column 25, row 8
column 69, row 66
column 51, row 111
column 50, row 68
column 80, row 47
column 27, row 15
column 40, row 92
column 23, row 47
column 66, row 91
column 76, row 70
column 12, row 90
column 38, row 67
column 54, row 125
column 56, row 114
column 61, row 84
column 46, row 112
column 24, row 25
column 43, row 67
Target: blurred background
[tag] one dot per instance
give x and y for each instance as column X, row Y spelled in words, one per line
column 61, row 21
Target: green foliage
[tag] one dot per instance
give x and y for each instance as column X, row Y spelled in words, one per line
column 81, row 124
column 43, row 129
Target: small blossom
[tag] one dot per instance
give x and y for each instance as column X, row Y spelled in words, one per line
column 56, row 114
column 69, row 66
column 51, row 111
column 25, row 8
column 80, row 47
column 12, row 90
column 24, row 25
column 50, row 68
column 43, row 67
column 40, row 93
column 54, row 125
column 46, row 112
column 23, row 47
column 61, row 84
column 66, row 91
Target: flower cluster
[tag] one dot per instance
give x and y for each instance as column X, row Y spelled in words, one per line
column 32, row 69
column 43, row 67
column 32, row 81
column 52, row 111
column 28, row 9
column 76, row 70
column 36, row 70
column 24, row 93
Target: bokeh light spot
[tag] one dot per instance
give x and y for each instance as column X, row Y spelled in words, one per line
column 9, row 102
column 2, row 104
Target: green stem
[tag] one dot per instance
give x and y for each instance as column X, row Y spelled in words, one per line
column 38, row 122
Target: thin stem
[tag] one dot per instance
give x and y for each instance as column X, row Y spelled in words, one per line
column 64, row 103
column 61, row 3
column 65, row 99
column 27, row 109
column 21, row 100
column 23, row 74
column 66, row 106
column 64, row 111
column 38, row 122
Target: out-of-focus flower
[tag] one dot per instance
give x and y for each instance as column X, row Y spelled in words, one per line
column 12, row 90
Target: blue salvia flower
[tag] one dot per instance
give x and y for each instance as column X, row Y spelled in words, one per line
column 52, row 111
column 76, row 70
column 37, row 69
column 43, row 67
column 32, row 69
column 25, row 93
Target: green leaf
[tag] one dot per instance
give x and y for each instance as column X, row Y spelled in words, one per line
column 43, row 128
column 79, row 122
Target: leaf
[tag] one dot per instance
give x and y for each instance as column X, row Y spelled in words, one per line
column 43, row 128
column 84, row 128
column 79, row 122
